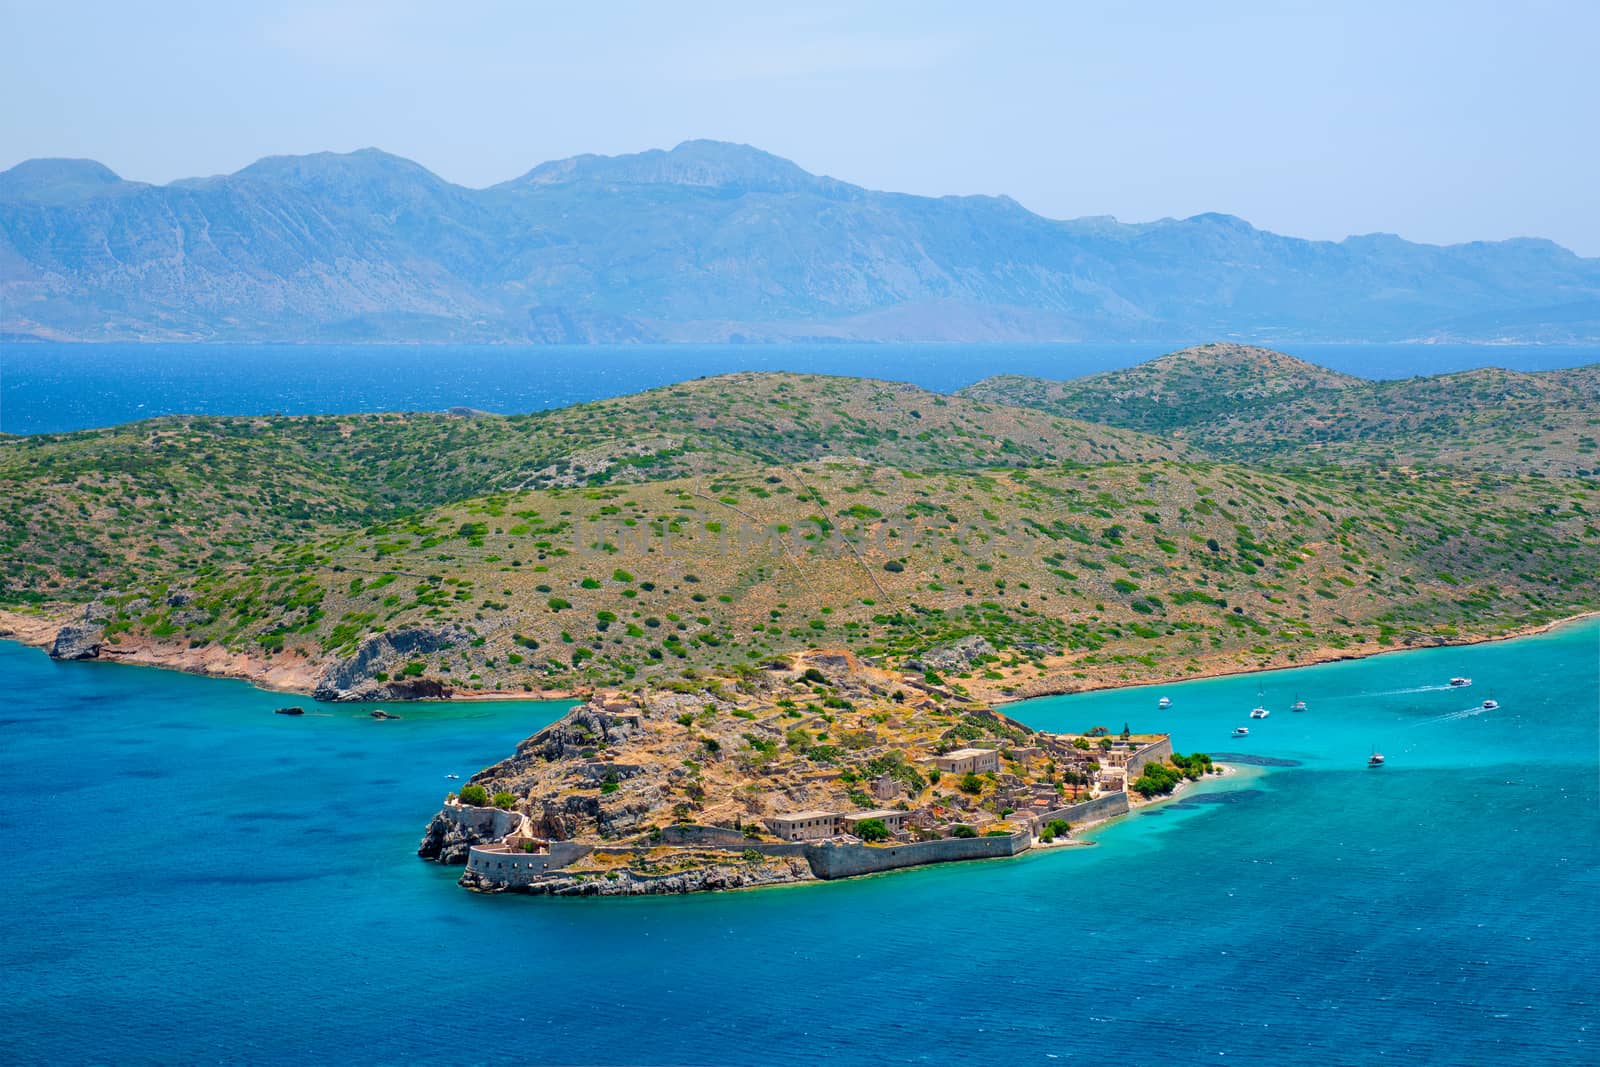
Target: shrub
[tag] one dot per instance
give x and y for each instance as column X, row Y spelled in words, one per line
column 970, row 783
column 1057, row 828
column 476, row 795
column 503, row 800
column 814, row 675
column 894, row 566
column 872, row 830
column 962, row 830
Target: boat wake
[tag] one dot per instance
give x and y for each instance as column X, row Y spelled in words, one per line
column 1454, row 716
column 1415, row 689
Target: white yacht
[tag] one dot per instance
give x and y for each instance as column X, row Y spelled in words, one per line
column 1241, row 731
column 1376, row 759
column 1299, row 705
column 1491, row 704
column 1164, row 703
column 1260, row 710
column 1460, row 683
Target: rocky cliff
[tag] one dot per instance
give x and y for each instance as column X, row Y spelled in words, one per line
column 377, row 669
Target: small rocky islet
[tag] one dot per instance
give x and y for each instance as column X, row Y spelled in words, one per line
column 816, row 766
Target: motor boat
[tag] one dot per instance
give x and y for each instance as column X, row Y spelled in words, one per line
column 1375, row 760
column 453, row 777
column 1491, row 704
column 1164, row 703
column 1460, row 683
column 1241, row 731
column 1259, row 713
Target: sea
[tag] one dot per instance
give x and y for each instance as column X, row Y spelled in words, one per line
column 189, row 877
column 51, row 388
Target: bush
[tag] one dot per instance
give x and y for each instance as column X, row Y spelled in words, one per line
column 1057, row 828
column 814, row 675
column 1157, row 781
column 970, row 783
column 872, row 830
column 894, row 566
column 962, row 830
column 503, row 800
column 476, row 795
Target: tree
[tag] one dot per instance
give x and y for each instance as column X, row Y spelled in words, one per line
column 962, row 830
column 1057, row 828
column 872, row 830
column 475, row 795
column 970, row 783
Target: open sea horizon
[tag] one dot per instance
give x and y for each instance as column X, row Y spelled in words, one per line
column 55, row 388
column 193, row 878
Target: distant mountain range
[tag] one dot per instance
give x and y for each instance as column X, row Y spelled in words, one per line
column 710, row 242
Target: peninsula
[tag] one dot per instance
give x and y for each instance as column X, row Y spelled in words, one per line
column 809, row 767
column 1020, row 538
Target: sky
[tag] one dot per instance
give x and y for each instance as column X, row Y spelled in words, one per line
column 1442, row 122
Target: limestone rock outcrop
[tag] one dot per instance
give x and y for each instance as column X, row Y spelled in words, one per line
column 455, row 829
column 959, row 656
column 387, row 654
column 82, row 639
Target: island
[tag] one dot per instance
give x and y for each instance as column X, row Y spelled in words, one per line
column 815, row 766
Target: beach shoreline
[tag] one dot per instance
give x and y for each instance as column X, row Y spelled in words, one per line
column 295, row 675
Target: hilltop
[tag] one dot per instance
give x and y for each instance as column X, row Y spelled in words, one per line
column 709, row 242
column 1256, row 405
column 724, row 521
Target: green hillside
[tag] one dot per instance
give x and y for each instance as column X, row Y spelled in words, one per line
column 730, row 520
column 1260, row 406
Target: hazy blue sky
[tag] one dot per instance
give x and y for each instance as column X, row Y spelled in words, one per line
column 1438, row 121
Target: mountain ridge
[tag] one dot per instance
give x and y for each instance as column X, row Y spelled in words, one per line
column 710, row 242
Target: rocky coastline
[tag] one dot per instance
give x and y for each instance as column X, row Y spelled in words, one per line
column 82, row 637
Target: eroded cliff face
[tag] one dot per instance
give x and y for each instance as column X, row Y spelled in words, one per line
column 387, row 654
column 84, row 637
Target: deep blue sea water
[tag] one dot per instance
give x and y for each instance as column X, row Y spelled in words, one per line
column 189, row 877
column 48, row 388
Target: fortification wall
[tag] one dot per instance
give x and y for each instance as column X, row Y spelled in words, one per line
column 1096, row 810
column 456, row 828
column 521, row 868
column 1155, row 753
column 847, row 861
column 691, row 834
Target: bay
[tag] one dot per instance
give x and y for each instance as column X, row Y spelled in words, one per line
column 191, row 877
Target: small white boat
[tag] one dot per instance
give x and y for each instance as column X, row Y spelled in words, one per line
column 453, row 777
column 1164, row 702
column 1259, row 713
column 1298, row 705
column 1460, row 683
column 1375, row 760
column 1491, row 704
column 1241, row 731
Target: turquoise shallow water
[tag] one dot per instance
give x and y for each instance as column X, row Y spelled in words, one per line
column 189, row 877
